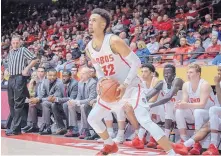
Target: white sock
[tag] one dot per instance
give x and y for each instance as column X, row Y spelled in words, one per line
column 136, row 131
column 110, row 131
column 183, row 137
column 171, row 152
column 120, row 133
column 214, row 139
column 167, row 132
column 109, row 141
column 189, row 143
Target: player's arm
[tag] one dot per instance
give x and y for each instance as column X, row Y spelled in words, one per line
column 154, row 98
column 185, row 96
column 118, row 46
column 157, row 88
column 99, row 71
column 177, row 85
column 217, row 80
column 205, row 91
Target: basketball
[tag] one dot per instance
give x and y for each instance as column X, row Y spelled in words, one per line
column 107, row 90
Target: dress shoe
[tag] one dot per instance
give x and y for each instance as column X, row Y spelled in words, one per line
column 24, row 129
column 61, row 131
column 46, row 131
column 92, row 137
column 12, row 133
column 43, row 126
column 32, row 129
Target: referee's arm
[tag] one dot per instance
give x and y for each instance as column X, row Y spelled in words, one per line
column 30, row 56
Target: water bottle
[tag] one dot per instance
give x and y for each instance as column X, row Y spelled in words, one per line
column 172, row 136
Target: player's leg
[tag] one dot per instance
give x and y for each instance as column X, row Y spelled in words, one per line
column 182, row 116
column 95, row 120
column 129, row 112
column 215, row 121
column 109, row 123
column 120, row 114
column 201, row 116
column 143, row 117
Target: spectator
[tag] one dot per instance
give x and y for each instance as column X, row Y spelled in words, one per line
column 183, row 49
column 165, row 41
column 67, row 65
column 153, row 46
column 123, row 35
column 217, row 60
column 213, row 49
column 133, row 47
column 196, row 49
column 190, row 37
column 75, row 51
column 142, row 51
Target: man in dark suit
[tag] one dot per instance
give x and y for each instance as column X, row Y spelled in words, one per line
column 70, row 92
column 86, row 92
column 34, row 104
column 51, row 89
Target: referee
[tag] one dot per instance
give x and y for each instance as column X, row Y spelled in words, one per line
column 17, row 85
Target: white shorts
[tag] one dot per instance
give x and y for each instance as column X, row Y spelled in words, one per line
column 133, row 95
column 169, row 111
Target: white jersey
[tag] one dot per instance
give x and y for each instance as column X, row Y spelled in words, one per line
column 195, row 96
column 146, row 89
column 165, row 90
column 113, row 65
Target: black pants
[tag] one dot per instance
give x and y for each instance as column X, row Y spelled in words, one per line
column 17, row 93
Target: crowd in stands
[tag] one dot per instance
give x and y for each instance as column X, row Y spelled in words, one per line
column 57, row 33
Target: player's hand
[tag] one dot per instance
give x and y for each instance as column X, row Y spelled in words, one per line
column 99, row 82
column 127, row 107
column 217, row 79
column 181, row 105
column 121, row 89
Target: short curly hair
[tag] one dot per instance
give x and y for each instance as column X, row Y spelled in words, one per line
column 104, row 14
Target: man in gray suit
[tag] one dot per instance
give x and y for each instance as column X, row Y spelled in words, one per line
column 34, row 104
column 52, row 88
column 70, row 92
column 86, row 92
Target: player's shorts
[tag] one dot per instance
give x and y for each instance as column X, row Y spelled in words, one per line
column 133, row 95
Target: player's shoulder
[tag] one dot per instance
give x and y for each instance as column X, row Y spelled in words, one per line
column 115, row 39
column 205, row 84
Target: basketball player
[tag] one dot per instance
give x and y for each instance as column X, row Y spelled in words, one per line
column 213, row 125
column 197, row 98
column 170, row 93
column 112, row 58
column 149, row 82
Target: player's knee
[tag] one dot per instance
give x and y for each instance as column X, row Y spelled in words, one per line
column 179, row 113
column 197, row 113
column 212, row 111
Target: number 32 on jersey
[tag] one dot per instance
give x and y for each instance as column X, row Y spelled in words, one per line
column 108, row 69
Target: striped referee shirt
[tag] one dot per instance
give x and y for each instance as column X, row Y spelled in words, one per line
column 18, row 60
